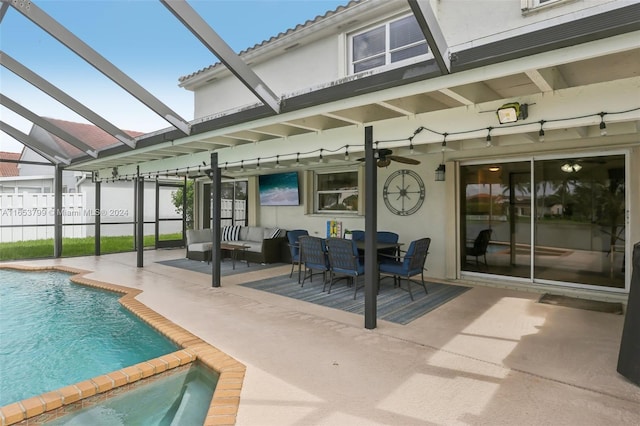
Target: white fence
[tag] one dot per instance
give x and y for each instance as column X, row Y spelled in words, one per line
column 31, row 216
column 28, row 213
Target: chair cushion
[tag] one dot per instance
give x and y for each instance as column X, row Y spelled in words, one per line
column 397, row 268
column 199, row 236
column 254, row 233
column 201, row 247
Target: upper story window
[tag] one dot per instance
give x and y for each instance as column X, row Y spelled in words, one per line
column 393, row 42
column 336, row 192
column 534, row 4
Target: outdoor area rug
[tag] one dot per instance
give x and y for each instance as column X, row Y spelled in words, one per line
column 394, row 304
column 574, row 302
column 226, row 268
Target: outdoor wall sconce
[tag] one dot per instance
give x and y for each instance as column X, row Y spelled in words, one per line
column 512, row 112
column 571, row 167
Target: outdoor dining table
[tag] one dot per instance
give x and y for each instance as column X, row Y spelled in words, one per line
column 360, row 244
column 379, row 246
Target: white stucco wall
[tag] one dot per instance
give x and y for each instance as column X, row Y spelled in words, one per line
column 301, row 68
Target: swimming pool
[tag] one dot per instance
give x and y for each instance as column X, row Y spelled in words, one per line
column 230, row 373
column 55, row 333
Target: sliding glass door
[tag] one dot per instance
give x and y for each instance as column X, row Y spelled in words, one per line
column 567, row 227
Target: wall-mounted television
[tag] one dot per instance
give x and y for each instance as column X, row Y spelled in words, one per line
column 279, row 189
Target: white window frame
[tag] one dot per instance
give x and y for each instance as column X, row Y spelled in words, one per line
column 316, row 192
column 387, row 53
column 529, row 5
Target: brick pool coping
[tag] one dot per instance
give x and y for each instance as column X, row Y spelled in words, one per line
column 224, row 404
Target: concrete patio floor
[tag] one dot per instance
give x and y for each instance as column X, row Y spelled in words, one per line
column 490, row 356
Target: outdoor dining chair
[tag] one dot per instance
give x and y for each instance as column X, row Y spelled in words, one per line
column 313, row 255
column 294, row 247
column 387, row 237
column 480, row 245
column 344, row 261
column 357, row 235
column 410, row 265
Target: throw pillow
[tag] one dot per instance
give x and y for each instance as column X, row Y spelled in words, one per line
column 235, row 233
column 226, row 233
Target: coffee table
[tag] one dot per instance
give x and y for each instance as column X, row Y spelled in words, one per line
column 234, row 251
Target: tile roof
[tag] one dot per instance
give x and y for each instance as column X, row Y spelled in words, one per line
column 277, row 37
column 92, row 135
column 9, row 169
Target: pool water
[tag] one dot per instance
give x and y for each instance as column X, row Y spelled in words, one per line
column 180, row 399
column 54, row 333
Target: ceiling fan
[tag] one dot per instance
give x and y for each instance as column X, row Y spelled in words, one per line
column 385, row 157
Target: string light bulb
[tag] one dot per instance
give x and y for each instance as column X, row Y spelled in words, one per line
column 541, row 132
column 346, row 153
column 603, row 125
column 298, row 159
column 242, row 165
column 321, row 157
column 489, row 142
column 258, row 164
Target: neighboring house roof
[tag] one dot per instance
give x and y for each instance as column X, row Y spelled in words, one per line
column 279, row 36
column 92, row 135
column 9, row 169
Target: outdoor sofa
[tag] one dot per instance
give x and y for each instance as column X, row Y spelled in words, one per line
column 266, row 245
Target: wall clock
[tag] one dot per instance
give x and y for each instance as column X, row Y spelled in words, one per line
column 403, row 192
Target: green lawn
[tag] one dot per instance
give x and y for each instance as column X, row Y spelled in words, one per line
column 74, row 246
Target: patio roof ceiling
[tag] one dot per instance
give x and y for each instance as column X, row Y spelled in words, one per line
column 528, row 64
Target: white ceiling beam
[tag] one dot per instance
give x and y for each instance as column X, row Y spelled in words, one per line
column 64, row 36
column 396, row 109
column 201, row 146
column 548, row 79
column 51, row 90
column 194, row 22
column 176, row 150
column 477, row 92
column 46, row 125
column 302, row 126
column 274, row 134
column 582, row 131
column 456, row 96
column 342, row 118
column 223, row 140
column 240, row 138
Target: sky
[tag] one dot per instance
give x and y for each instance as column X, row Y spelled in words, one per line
column 140, row 37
